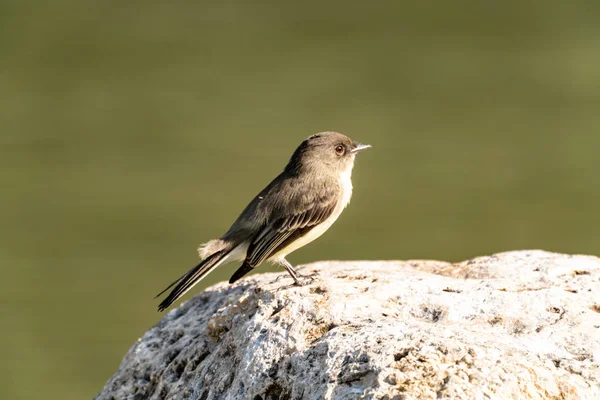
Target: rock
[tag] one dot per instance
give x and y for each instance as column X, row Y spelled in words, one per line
column 522, row 324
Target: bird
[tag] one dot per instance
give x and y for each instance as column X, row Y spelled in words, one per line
column 297, row 207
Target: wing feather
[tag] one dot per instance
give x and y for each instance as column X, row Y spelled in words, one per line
column 270, row 239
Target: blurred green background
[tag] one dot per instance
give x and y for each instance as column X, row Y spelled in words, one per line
column 130, row 132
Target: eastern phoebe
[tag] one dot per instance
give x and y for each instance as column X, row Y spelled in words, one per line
column 293, row 210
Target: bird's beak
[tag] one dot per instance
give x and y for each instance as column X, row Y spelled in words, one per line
column 356, row 147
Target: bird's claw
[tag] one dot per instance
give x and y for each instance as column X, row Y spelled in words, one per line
column 304, row 280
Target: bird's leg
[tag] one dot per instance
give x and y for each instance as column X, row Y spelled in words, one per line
column 295, row 275
column 291, row 271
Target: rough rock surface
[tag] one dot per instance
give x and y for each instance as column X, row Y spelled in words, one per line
column 522, row 324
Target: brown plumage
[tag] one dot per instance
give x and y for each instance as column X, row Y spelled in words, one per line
column 298, row 206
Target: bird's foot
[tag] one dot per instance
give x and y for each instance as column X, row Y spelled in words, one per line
column 299, row 279
column 304, row 280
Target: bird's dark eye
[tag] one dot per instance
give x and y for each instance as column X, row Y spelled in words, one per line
column 339, row 149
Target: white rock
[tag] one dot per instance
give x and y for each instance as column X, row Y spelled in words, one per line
column 522, row 324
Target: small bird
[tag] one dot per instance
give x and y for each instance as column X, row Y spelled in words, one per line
column 297, row 207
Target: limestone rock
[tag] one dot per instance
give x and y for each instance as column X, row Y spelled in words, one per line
column 522, row 324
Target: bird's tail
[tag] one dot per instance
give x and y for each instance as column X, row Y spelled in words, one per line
column 190, row 278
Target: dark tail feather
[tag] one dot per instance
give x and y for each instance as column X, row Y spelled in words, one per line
column 243, row 270
column 169, row 287
column 190, row 278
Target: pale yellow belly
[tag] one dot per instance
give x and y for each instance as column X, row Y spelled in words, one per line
column 309, row 237
column 320, row 229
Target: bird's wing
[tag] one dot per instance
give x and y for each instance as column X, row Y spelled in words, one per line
column 312, row 207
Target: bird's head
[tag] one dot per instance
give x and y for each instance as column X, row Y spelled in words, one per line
column 326, row 152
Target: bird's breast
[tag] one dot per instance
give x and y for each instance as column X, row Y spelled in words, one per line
column 344, row 198
column 346, row 189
